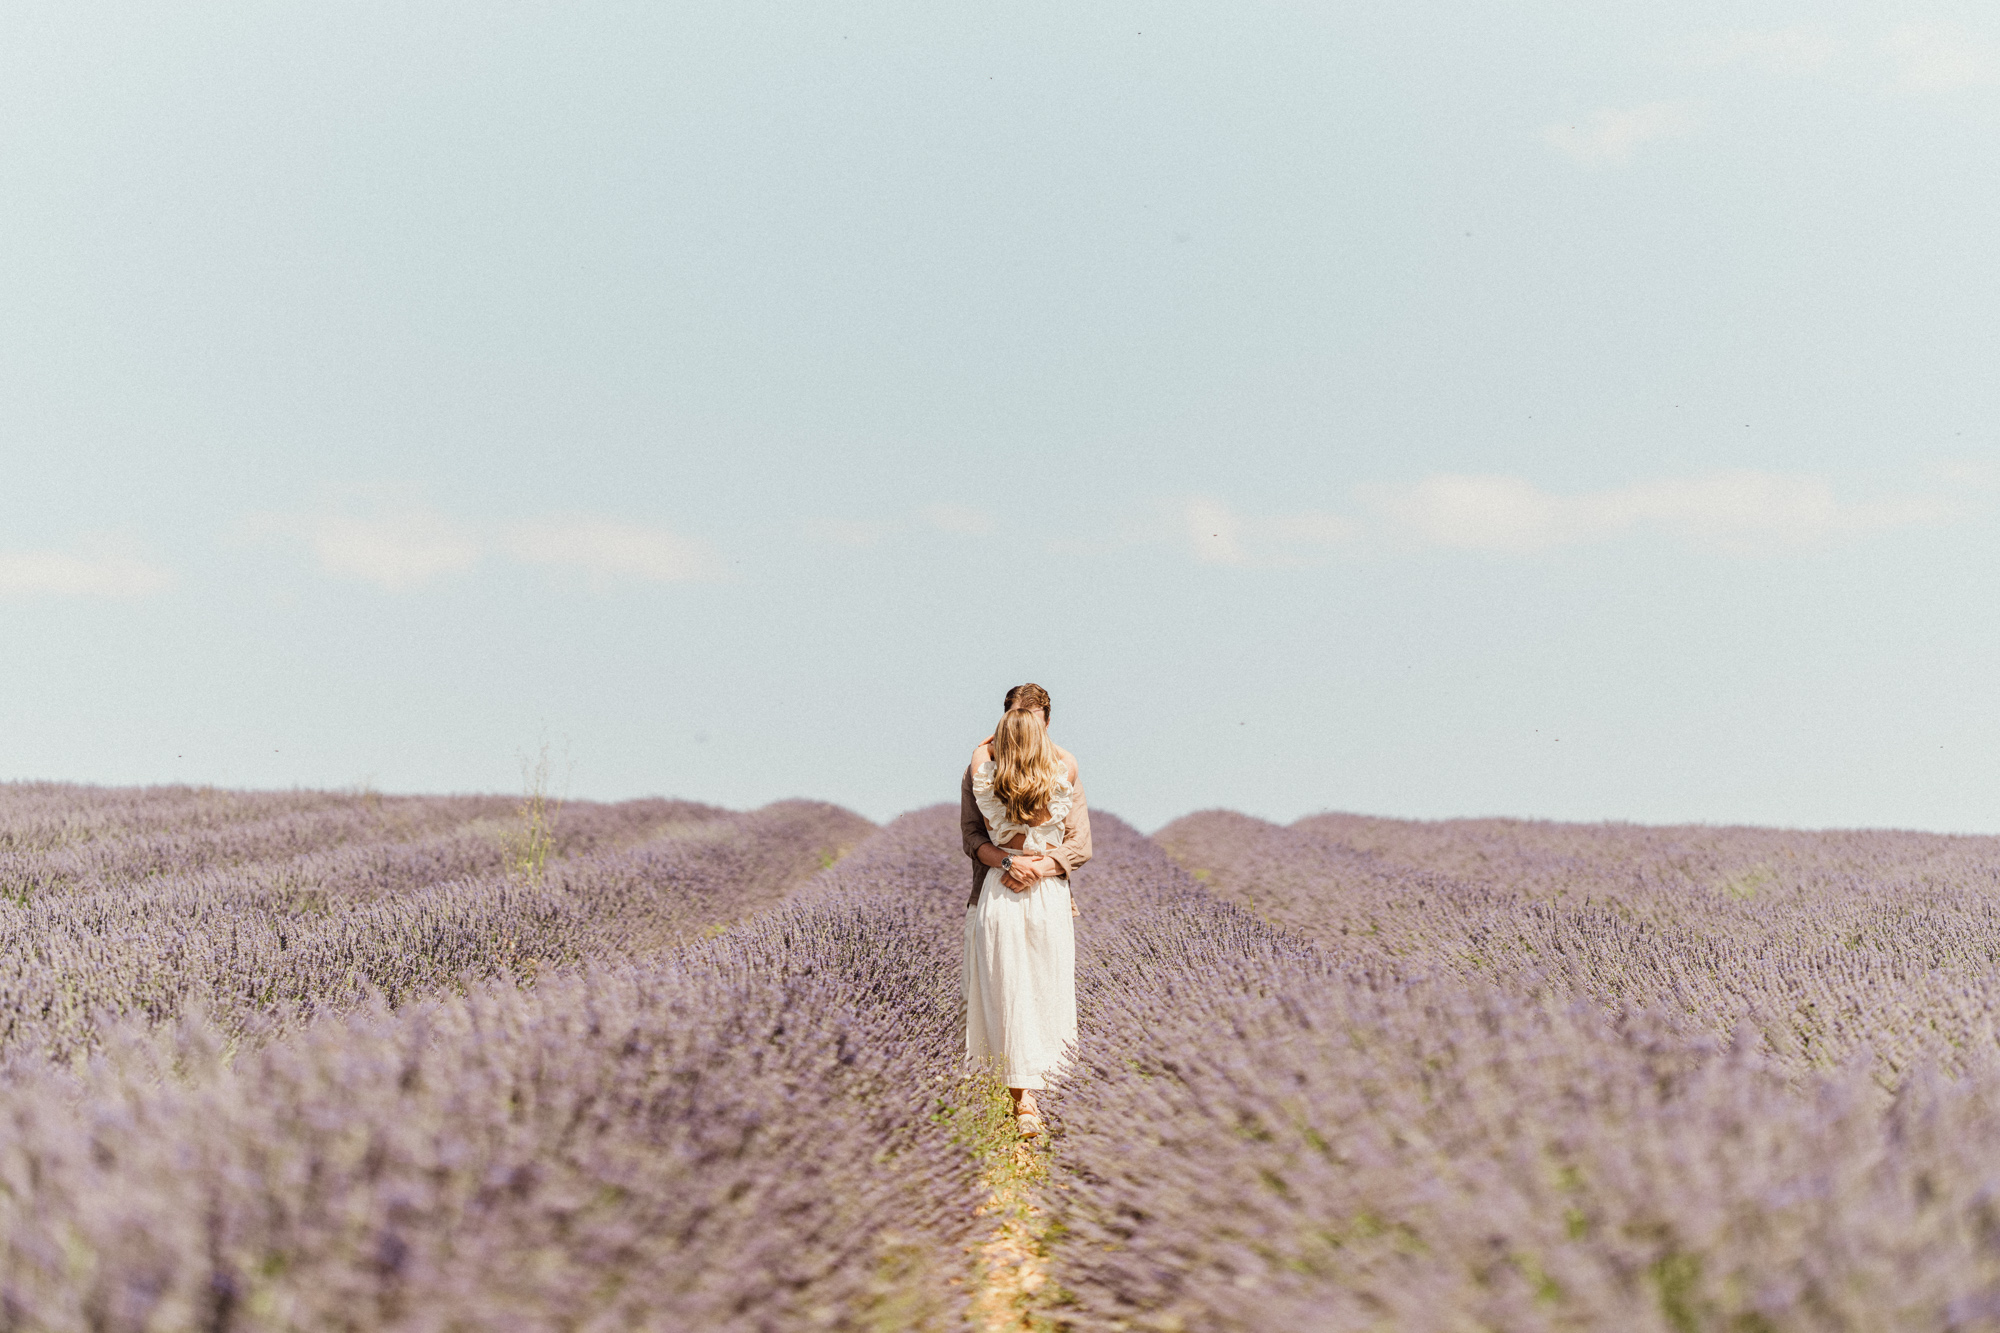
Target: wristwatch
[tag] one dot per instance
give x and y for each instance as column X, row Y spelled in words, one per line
column 1006, row 863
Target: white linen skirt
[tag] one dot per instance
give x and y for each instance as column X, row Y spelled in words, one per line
column 1020, row 980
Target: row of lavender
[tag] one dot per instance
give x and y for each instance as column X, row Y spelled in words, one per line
column 1828, row 947
column 1437, row 1077
column 755, row 1131
column 263, row 909
column 1414, row 1077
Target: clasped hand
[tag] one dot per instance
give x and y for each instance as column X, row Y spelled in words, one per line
column 1027, row 871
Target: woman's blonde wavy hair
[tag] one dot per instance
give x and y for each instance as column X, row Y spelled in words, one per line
column 1025, row 766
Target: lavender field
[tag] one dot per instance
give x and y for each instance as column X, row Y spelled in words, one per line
column 345, row 1061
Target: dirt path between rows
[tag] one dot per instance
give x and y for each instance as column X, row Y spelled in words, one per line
column 1012, row 1265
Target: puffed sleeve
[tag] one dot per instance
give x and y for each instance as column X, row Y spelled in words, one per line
column 1075, row 847
column 991, row 808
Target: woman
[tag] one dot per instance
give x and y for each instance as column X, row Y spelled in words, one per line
column 1020, row 946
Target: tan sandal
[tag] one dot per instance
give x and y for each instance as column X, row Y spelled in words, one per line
column 1029, row 1123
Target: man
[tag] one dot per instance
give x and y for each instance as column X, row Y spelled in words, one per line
column 1075, row 848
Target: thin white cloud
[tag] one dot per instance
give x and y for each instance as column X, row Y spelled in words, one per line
column 1794, row 50
column 395, row 548
column 398, row 545
column 1609, row 135
column 1741, row 512
column 72, row 574
column 960, row 520
column 1208, row 528
column 1940, row 58
column 1475, row 513
column 609, row 549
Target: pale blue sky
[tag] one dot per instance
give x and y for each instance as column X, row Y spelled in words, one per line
column 1551, row 410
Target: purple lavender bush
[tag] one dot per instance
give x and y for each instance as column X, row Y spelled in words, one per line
column 332, row 1061
column 749, row 1132
column 1569, row 1096
column 409, row 895
column 56, row 839
column 1829, row 945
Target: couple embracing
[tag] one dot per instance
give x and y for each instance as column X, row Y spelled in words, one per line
column 1025, row 826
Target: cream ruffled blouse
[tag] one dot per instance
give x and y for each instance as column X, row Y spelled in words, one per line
column 1040, row 837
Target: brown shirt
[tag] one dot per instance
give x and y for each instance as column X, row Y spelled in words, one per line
column 1072, row 853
